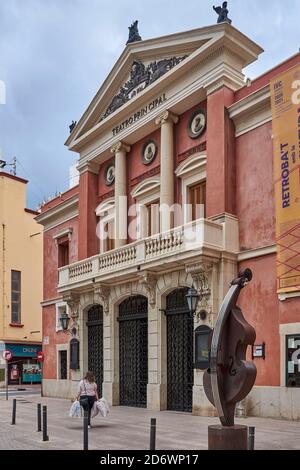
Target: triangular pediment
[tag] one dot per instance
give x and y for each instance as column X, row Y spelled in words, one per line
column 142, row 74
column 141, row 66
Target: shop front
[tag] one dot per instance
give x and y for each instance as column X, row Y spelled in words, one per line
column 24, row 367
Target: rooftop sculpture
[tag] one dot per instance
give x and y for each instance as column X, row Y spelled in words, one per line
column 134, row 35
column 223, row 13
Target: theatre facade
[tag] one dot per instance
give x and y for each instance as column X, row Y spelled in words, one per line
column 174, row 125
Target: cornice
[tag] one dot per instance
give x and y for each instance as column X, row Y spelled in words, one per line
column 59, row 214
column 252, row 111
column 263, row 95
column 257, row 253
column 88, row 167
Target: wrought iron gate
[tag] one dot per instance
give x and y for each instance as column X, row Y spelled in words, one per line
column 133, row 338
column 180, row 348
column 95, row 344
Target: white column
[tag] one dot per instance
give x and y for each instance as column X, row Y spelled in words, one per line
column 167, row 121
column 121, row 207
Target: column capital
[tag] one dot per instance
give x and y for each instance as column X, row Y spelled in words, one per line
column 165, row 117
column 119, row 147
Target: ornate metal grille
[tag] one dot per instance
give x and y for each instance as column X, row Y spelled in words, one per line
column 133, row 333
column 95, row 344
column 180, row 348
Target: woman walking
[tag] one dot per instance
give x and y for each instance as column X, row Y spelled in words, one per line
column 88, row 393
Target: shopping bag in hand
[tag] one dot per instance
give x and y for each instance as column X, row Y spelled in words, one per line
column 103, row 407
column 75, row 410
column 94, row 410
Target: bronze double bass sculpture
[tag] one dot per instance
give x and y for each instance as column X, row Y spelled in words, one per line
column 230, row 377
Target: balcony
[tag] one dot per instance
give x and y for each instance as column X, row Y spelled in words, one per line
column 156, row 254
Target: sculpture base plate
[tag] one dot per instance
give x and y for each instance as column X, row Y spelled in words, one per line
column 225, row 438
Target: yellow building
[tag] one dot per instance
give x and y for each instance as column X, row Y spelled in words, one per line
column 21, row 283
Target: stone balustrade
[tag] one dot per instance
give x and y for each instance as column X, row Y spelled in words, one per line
column 150, row 253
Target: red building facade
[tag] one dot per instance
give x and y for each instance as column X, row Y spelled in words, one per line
column 174, row 124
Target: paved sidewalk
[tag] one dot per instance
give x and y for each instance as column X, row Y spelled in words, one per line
column 19, row 390
column 126, row 428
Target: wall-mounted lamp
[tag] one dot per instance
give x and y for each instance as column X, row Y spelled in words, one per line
column 192, row 300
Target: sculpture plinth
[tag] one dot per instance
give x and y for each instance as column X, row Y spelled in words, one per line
column 230, row 377
column 228, row 438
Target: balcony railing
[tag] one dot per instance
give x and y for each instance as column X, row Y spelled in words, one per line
column 184, row 242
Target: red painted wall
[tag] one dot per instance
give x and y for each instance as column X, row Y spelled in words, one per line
column 51, row 257
column 50, row 292
column 220, row 185
column 135, row 165
column 49, row 330
column 138, row 172
column 255, row 188
column 88, row 244
column 260, row 305
column 184, row 143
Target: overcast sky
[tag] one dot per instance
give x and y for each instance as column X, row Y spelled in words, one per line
column 54, row 55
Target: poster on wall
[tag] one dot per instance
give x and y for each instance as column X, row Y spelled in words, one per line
column 32, row 373
column 285, row 97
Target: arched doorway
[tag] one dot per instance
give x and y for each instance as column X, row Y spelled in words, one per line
column 180, row 352
column 95, row 343
column 133, row 343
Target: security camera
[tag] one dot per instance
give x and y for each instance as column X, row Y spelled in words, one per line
column 2, row 164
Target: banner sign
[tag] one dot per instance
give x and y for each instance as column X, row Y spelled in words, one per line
column 22, row 350
column 285, row 96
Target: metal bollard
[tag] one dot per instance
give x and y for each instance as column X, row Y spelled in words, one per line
column 153, row 434
column 86, row 430
column 14, row 412
column 39, row 417
column 45, row 435
column 251, row 438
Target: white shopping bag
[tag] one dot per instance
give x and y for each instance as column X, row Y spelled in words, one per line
column 103, row 407
column 94, row 410
column 75, row 410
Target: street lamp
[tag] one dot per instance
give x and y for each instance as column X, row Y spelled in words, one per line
column 65, row 320
column 192, row 300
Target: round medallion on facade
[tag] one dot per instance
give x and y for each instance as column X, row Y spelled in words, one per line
column 149, row 152
column 197, row 123
column 110, row 175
